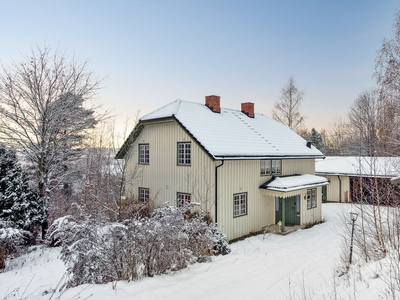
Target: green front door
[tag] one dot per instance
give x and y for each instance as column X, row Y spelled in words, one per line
column 292, row 210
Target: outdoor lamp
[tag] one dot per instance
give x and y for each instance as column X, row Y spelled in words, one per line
column 353, row 216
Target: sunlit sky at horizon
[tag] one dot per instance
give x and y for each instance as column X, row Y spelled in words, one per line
column 153, row 52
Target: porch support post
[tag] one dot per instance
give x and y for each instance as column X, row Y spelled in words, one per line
column 283, row 214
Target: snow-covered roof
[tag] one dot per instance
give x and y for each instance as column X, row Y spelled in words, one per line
column 231, row 134
column 395, row 180
column 294, row 182
column 356, row 166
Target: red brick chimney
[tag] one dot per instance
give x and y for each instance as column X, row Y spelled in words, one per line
column 212, row 102
column 248, row 109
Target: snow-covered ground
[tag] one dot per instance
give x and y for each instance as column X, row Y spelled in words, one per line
column 261, row 267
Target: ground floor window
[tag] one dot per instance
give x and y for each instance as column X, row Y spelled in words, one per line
column 183, row 199
column 143, row 194
column 239, row 204
column 311, row 198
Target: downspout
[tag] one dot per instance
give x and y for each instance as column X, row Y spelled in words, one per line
column 340, row 189
column 216, row 191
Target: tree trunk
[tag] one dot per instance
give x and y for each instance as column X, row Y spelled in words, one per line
column 2, row 257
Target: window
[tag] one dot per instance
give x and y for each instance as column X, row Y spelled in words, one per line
column 143, row 194
column 265, row 167
column 277, row 208
column 314, row 198
column 144, row 157
column 276, row 167
column 239, row 204
column 298, row 204
column 311, row 198
column 271, row 167
column 183, row 199
column 184, row 154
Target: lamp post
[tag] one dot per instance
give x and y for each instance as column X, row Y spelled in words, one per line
column 353, row 217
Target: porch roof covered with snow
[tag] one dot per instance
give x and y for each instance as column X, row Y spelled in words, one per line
column 293, row 183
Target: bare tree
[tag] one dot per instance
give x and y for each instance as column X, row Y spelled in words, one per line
column 105, row 178
column 43, row 112
column 287, row 109
column 363, row 119
column 387, row 74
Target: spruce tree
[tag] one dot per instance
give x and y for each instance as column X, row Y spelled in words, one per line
column 19, row 203
column 316, row 139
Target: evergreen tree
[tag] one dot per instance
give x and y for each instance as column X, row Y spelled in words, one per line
column 316, row 139
column 19, row 203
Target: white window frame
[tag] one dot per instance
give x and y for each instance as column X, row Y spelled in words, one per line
column 265, row 167
column 276, row 167
column 144, row 194
column 270, row 167
column 184, row 153
column 182, row 199
column 311, row 198
column 144, row 155
column 239, row 205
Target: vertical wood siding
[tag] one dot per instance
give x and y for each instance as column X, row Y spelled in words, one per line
column 165, row 178
column 333, row 189
column 244, row 176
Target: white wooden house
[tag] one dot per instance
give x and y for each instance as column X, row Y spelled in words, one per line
column 243, row 168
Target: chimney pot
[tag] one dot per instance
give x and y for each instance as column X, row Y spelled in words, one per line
column 248, row 109
column 309, row 144
column 213, row 103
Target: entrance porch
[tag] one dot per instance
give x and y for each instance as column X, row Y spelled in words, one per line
column 297, row 198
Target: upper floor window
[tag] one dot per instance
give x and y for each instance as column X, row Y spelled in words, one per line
column 265, row 167
column 144, row 157
column 271, row 167
column 276, row 167
column 239, row 204
column 144, row 194
column 184, row 154
column 183, row 199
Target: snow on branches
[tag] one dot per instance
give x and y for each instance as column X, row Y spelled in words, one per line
column 168, row 240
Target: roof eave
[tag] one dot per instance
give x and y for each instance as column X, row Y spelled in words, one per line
column 296, row 188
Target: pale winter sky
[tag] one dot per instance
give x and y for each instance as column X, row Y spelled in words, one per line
column 154, row 52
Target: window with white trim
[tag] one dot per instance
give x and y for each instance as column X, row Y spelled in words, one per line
column 144, row 194
column 311, row 198
column 183, row 199
column 144, row 158
column 277, row 208
column 265, row 167
column 239, row 204
column 184, row 154
column 276, row 167
column 270, row 167
column 314, row 198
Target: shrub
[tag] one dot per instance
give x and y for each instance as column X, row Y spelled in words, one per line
column 98, row 251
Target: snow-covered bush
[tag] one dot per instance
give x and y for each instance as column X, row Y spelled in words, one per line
column 97, row 251
column 11, row 238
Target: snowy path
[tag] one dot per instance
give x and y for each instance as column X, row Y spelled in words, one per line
column 257, row 268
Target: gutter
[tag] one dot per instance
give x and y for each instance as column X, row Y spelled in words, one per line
column 340, row 189
column 216, row 191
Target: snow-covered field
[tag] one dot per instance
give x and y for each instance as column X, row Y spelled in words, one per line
column 261, row 267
